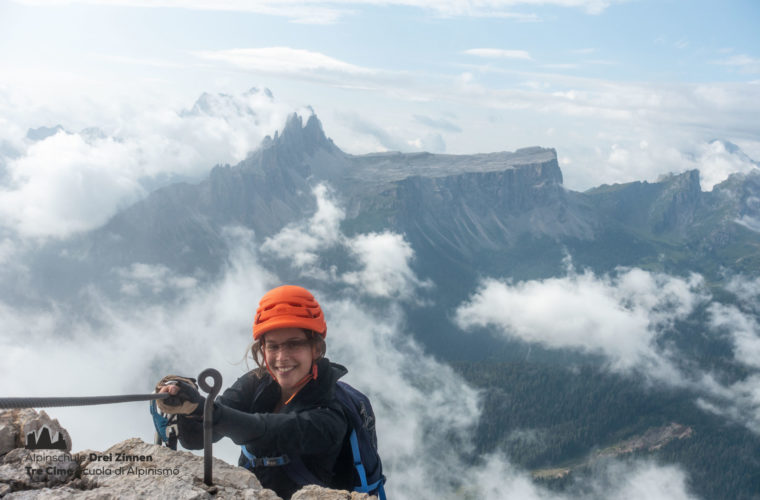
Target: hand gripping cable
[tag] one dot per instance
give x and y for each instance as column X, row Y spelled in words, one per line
column 208, row 409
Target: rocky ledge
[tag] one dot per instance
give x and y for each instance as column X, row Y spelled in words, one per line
column 129, row 469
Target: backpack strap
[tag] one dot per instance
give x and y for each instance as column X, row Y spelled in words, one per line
column 364, row 488
column 295, row 469
column 166, row 427
column 264, row 461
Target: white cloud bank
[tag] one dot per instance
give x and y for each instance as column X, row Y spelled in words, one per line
column 623, row 318
column 614, row 131
column 384, row 259
column 331, row 11
column 425, row 411
column 618, row 317
column 498, row 53
column 282, row 60
column 716, row 162
column 75, row 181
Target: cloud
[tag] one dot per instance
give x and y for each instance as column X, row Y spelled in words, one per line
column 642, row 480
column 394, row 138
column 383, row 259
column 716, row 163
column 681, row 44
column 362, row 126
column 743, row 329
column 735, row 398
column 302, row 242
column 332, row 11
column 623, row 318
column 619, row 317
column 71, row 182
column 738, row 402
column 385, row 269
column 495, row 478
column 743, row 62
column 712, row 158
column 64, row 185
column 143, row 279
column 425, row 411
column 747, row 291
column 283, row 60
column 751, row 223
column 677, row 121
column 562, row 66
column 120, row 352
column 441, row 123
column 498, row 53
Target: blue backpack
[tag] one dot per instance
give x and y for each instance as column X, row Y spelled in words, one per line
column 363, row 441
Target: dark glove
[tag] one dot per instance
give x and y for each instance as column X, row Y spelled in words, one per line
column 186, row 401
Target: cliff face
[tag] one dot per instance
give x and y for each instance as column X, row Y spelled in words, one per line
column 669, row 205
column 471, row 212
column 675, row 208
column 273, row 188
column 181, row 225
column 459, row 206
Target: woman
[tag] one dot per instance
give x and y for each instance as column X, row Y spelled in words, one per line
column 284, row 413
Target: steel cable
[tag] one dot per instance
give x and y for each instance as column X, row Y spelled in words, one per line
column 10, row 403
column 208, row 410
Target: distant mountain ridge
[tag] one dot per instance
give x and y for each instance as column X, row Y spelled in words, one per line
column 504, row 215
column 272, row 187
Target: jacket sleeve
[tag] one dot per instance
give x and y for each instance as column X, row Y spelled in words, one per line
column 237, row 396
column 311, row 431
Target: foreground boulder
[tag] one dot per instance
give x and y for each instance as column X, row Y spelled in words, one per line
column 317, row 493
column 129, row 469
column 25, row 428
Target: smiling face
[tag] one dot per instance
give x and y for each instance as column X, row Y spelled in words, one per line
column 289, row 354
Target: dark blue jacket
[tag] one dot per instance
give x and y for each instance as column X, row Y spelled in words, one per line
column 311, row 427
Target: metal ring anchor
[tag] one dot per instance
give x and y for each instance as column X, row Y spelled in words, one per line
column 208, row 419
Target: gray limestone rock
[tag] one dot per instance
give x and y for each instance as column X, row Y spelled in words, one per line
column 26, row 428
column 137, row 469
column 129, row 469
column 8, row 437
column 316, row 493
column 44, row 432
column 134, row 469
column 34, row 469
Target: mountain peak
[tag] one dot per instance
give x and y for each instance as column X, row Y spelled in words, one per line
column 734, row 150
column 42, row 133
column 727, row 145
column 295, row 134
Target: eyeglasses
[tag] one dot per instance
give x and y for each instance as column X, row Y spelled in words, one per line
column 287, row 346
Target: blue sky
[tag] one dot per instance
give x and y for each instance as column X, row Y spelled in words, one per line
column 623, row 90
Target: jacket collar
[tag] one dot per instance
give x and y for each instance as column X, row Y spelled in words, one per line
column 321, row 389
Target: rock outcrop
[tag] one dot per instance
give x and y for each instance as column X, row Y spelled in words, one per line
column 651, row 440
column 25, row 428
column 129, row 469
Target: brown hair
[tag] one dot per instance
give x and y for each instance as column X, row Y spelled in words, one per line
column 256, row 348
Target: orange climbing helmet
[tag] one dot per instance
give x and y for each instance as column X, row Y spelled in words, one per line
column 288, row 306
